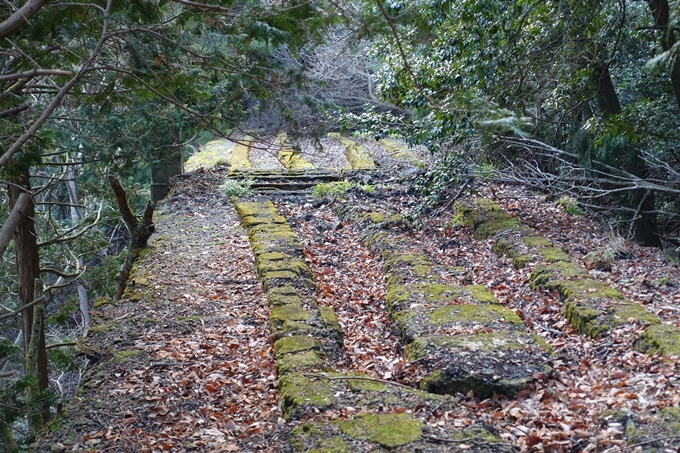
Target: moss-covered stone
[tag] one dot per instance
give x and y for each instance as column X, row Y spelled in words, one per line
column 474, row 314
column 125, row 355
column 298, row 392
column 239, row 155
column 298, row 362
column 388, row 430
column 535, row 241
column 330, row 321
column 594, row 317
column 583, row 315
column 627, row 310
column 553, row 255
column 278, row 299
column 357, row 156
column 297, row 343
column 213, row 153
column 661, row 339
column 443, row 382
column 556, row 271
column 522, row 261
column 505, row 247
column 287, row 319
column 583, row 289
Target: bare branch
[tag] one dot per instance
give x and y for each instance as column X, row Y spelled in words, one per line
column 18, row 212
column 20, row 309
column 34, row 73
column 20, row 17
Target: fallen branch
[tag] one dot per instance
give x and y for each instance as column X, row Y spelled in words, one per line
column 18, row 212
column 60, row 345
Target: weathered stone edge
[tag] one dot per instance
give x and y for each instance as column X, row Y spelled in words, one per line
column 591, row 306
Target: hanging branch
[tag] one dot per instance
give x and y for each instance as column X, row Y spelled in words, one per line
column 140, row 231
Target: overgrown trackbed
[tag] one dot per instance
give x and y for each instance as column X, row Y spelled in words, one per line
column 284, row 323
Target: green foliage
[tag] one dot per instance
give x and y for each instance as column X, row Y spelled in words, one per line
column 101, row 278
column 334, row 189
column 484, row 171
column 236, row 188
column 63, row 358
column 570, row 206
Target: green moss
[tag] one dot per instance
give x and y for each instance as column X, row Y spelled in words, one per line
column 388, row 430
column 583, row 289
column 357, row 156
column 299, row 362
column 101, row 301
column 151, row 321
column 541, row 343
column 309, row 438
column 556, row 271
column 396, row 294
column 481, row 293
column 624, row 311
column 102, row 327
column 522, row 261
column 330, row 320
column 583, row 315
column 505, row 247
column 474, row 314
column 536, row 241
column 415, row 350
column 661, row 339
column 125, row 355
column 294, row 265
column 189, row 318
column 553, row 254
column 298, row 343
column 298, row 391
column 278, row 299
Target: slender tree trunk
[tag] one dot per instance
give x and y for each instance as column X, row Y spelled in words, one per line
column 76, row 217
column 40, row 411
column 661, row 14
column 28, row 269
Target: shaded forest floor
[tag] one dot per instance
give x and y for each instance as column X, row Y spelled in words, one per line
column 185, row 361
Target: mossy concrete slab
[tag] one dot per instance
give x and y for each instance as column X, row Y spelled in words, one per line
column 595, row 317
column 240, row 155
column 486, row 219
column 583, row 289
column 359, row 436
column 357, row 156
column 553, row 255
column 297, row 343
column 298, row 362
column 289, row 157
column 211, row 154
column 544, row 274
column 458, row 318
column 402, row 297
column 661, row 339
column 485, row 362
column 387, row 430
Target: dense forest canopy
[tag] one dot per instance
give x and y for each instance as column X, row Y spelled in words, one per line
column 581, row 98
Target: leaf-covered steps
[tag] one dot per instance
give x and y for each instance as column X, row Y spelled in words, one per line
column 592, row 307
column 459, row 334
column 357, row 156
column 376, row 416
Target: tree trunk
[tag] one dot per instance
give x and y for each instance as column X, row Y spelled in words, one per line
column 40, row 411
column 140, row 231
column 28, row 269
column 661, row 14
column 607, row 99
column 76, row 217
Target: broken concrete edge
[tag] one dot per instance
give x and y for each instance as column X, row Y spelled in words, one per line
column 357, row 156
column 387, row 414
column 421, row 305
column 591, row 306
